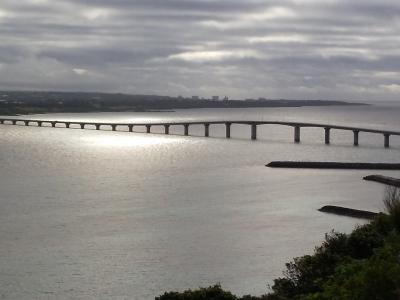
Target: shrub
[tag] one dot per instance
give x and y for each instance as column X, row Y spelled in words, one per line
column 211, row 293
column 363, row 240
column 375, row 278
column 305, row 274
column 391, row 201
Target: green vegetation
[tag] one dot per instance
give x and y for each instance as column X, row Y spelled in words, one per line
column 362, row 265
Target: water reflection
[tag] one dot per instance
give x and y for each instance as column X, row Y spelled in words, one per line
column 124, row 140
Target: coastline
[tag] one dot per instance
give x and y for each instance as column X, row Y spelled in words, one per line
column 24, row 103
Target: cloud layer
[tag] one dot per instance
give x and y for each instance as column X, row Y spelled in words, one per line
column 331, row 49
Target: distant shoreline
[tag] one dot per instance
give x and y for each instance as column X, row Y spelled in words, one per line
column 22, row 103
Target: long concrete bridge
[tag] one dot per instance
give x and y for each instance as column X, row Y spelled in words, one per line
column 186, row 124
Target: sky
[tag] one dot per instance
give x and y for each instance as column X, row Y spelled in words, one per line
column 292, row 49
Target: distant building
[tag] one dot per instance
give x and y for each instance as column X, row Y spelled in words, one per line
column 226, row 98
column 195, row 97
column 215, row 98
column 262, row 99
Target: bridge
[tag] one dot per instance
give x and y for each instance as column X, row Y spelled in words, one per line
column 253, row 127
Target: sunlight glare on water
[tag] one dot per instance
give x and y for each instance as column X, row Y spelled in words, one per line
column 116, row 140
column 98, row 214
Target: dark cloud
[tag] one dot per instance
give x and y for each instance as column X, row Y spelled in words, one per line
column 289, row 48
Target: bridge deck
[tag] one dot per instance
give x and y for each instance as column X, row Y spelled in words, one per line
column 182, row 123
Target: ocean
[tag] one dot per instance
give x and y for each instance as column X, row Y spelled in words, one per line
column 88, row 214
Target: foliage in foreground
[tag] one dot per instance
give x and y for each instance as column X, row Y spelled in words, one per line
column 363, row 265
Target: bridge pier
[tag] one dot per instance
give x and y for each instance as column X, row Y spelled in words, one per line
column 53, row 124
column 166, row 129
column 14, row 122
column 297, row 134
column 148, row 128
column 130, row 128
column 206, row 130
column 82, row 125
column 26, row 123
column 113, row 127
column 39, row 123
column 327, row 135
column 1, row 121
column 186, row 126
column 253, row 131
column 228, row 130
column 387, row 137
column 67, row 124
column 355, row 134
column 97, row 126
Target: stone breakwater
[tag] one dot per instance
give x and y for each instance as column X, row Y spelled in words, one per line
column 333, row 165
column 348, row 212
column 383, row 179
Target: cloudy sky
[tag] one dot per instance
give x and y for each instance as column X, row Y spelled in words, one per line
column 326, row 49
